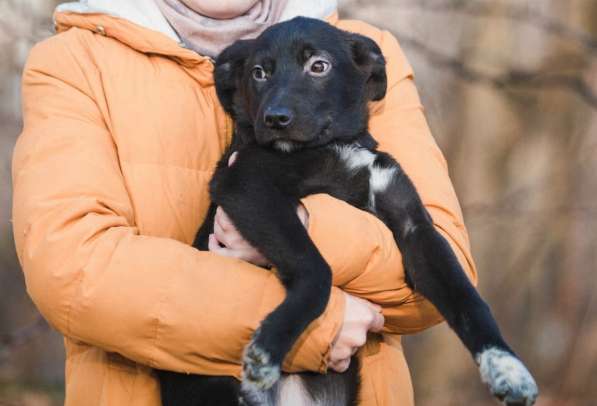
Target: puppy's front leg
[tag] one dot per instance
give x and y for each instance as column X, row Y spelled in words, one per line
column 267, row 219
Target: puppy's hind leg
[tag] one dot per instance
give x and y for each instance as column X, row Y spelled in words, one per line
column 434, row 271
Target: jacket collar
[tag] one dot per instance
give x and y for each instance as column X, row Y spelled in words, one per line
column 141, row 25
column 141, row 12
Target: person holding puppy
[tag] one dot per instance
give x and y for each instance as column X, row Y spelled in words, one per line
column 122, row 129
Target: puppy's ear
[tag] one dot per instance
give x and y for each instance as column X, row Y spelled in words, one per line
column 228, row 72
column 368, row 57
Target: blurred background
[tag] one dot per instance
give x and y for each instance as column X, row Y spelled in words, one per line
column 510, row 89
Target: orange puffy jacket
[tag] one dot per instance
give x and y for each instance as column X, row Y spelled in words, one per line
column 122, row 129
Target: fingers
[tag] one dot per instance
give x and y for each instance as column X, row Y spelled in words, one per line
column 340, row 352
column 303, row 215
column 223, row 220
column 374, row 306
column 214, row 246
column 369, row 304
column 376, row 319
column 234, row 244
column 357, row 339
column 340, row 366
column 232, row 158
column 230, row 238
column 226, row 233
column 377, row 323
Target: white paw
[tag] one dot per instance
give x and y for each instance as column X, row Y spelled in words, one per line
column 259, row 373
column 507, row 377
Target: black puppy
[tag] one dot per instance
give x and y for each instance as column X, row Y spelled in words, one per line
column 298, row 95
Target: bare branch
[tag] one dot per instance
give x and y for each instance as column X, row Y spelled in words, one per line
column 513, row 77
column 510, row 11
column 500, row 210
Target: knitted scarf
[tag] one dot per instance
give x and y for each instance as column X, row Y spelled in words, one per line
column 209, row 36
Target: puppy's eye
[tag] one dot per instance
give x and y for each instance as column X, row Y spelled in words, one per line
column 317, row 66
column 258, row 73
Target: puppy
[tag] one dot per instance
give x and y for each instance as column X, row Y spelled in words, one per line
column 298, row 96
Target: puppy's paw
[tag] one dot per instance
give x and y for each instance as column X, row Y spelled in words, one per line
column 259, row 372
column 507, row 377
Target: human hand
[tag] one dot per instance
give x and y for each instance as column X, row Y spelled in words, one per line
column 360, row 317
column 227, row 240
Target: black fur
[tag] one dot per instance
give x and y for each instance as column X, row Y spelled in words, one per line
column 300, row 132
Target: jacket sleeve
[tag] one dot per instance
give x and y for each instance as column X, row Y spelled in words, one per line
column 397, row 122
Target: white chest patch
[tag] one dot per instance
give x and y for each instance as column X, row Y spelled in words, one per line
column 355, row 157
column 380, row 178
column 284, row 146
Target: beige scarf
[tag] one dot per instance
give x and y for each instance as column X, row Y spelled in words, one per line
column 209, row 36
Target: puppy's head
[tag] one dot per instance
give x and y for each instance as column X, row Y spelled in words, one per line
column 301, row 83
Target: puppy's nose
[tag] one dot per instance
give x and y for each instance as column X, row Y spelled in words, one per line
column 277, row 117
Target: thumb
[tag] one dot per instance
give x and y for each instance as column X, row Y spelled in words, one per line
column 374, row 306
column 377, row 323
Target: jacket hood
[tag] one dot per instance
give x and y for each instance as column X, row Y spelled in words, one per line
column 141, row 25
